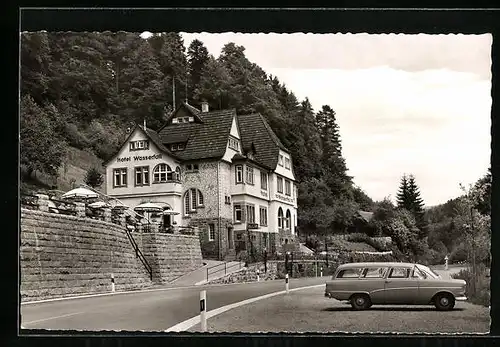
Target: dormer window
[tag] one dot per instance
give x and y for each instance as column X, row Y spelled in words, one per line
column 234, row 144
column 139, row 145
column 177, row 147
column 183, row 120
column 287, row 163
column 280, row 161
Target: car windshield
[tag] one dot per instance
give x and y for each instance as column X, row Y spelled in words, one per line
column 428, row 271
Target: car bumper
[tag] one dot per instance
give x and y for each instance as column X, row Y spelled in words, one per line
column 461, row 298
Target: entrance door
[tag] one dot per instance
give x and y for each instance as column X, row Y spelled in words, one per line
column 230, row 237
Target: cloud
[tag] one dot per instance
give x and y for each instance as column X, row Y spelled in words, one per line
column 467, row 53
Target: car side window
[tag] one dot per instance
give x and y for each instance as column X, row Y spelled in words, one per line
column 377, row 272
column 399, row 272
column 349, row 273
column 419, row 274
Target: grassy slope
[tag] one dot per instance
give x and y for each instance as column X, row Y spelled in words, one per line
column 73, row 169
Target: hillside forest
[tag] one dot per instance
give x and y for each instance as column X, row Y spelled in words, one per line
column 83, row 90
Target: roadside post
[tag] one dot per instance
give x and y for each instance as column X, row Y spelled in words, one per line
column 446, row 262
column 112, row 283
column 258, row 277
column 265, row 260
column 286, row 283
column 321, row 273
column 203, row 310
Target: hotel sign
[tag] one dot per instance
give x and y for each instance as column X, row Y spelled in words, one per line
column 139, row 157
column 283, row 198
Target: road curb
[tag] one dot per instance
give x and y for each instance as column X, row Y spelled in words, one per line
column 189, row 323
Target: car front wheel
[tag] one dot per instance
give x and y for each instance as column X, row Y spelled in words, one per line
column 444, row 302
column 360, row 302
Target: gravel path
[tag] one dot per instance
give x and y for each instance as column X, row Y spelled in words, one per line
column 309, row 311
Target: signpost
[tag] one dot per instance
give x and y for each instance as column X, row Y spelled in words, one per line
column 286, row 283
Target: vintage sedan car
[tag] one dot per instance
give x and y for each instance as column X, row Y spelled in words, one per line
column 386, row 283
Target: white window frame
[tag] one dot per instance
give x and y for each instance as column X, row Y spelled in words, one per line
column 280, row 160
column 249, row 174
column 279, row 183
column 288, row 188
column 234, row 144
column 178, row 173
column 120, row 174
column 250, row 213
column 280, row 218
column 193, row 199
column 239, row 171
column 263, row 215
column 211, row 232
column 143, row 173
column 158, row 172
column 287, row 163
column 192, row 167
column 263, row 180
column 238, row 207
column 288, row 217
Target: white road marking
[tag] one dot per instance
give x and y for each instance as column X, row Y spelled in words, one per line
column 189, row 323
column 135, row 291
column 50, row 318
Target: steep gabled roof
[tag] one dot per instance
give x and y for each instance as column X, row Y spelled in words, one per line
column 365, row 215
column 151, row 135
column 255, row 129
column 205, row 139
column 190, row 109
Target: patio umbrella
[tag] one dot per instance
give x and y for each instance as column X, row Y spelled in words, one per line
column 170, row 213
column 80, row 193
column 148, row 207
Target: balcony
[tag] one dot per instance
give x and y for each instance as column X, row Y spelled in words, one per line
column 252, row 226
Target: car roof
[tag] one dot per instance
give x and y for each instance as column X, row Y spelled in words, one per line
column 370, row 264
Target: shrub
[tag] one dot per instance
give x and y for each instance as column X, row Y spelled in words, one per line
column 459, row 254
column 358, row 237
column 482, row 293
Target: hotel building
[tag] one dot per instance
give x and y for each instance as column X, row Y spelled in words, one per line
column 227, row 174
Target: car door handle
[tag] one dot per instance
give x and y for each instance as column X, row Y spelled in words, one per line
column 387, row 281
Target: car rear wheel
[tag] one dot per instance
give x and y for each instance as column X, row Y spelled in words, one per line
column 360, row 302
column 444, row 302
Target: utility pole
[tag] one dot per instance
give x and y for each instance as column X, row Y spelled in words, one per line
column 173, row 91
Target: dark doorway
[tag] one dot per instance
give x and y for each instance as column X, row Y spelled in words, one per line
column 230, row 237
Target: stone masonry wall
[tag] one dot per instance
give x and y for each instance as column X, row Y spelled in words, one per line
column 63, row 255
column 217, row 248
column 170, row 255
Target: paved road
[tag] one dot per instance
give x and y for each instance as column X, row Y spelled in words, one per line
column 155, row 310
column 309, row 311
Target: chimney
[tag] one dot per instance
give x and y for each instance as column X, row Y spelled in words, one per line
column 204, row 107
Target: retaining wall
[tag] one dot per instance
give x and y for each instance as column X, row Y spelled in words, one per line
column 63, row 255
column 170, row 255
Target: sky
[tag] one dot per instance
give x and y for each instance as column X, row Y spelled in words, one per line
column 405, row 104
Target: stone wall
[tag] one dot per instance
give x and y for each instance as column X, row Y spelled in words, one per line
column 249, row 274
column 170, row 255
column 63, row 255
column 217, row 248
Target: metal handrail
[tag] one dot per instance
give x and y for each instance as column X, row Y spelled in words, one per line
column 139, row 254
column 220, row 265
